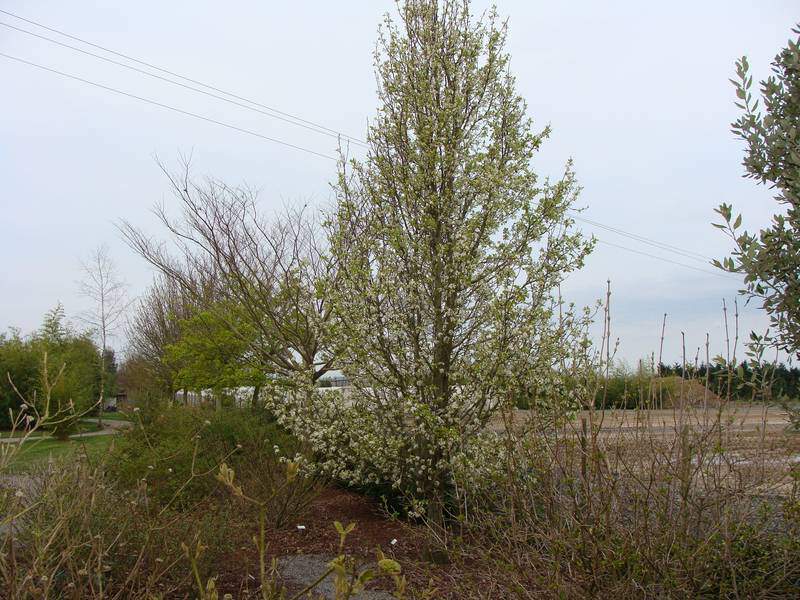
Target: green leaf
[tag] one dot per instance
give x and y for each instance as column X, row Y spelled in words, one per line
column 387, row 565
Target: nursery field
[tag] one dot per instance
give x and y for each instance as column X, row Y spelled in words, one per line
column 744, row 417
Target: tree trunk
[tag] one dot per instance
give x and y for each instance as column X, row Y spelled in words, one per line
column 102, row 385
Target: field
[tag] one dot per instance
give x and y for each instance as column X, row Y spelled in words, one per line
column 739, row 441
column 38, row 452
column 746, row 418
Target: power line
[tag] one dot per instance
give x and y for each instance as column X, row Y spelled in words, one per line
column 167, row 106
column 183, row 77
column 649, row 241
column 667, row 260
column 277, row 141
column 178, row 83
column 287, row 117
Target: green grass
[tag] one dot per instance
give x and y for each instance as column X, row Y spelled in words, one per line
column 20, row 433
column 37, row 452
column 115, row 416
column 86, row 426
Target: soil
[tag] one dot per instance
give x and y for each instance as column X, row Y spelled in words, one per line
column 303, row 553
column 743, row 416
column 374, row 529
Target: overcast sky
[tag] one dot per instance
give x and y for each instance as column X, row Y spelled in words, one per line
column 637, row 93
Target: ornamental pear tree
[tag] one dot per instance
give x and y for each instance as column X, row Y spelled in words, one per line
column 770, row 258
column 449, row 251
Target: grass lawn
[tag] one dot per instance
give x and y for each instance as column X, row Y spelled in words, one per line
column 36, row 452
column 114, row 416
column 85, row 426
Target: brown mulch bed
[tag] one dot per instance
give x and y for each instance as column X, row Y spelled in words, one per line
column 374, row 529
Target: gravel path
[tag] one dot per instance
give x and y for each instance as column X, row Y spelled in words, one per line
column 301, row 570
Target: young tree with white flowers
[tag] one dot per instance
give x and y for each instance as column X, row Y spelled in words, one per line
column 449, row 249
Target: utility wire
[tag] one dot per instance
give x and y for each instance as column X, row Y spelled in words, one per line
column 649, row 241
column 351, row 138
column 258, row 135
column 277, row 141
column 167, row 106
column 178, row 83
column 283, row 116
column 667, row 260
column 287, row 117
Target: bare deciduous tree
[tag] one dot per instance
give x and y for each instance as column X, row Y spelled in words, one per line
column 155, row 325
column 103, row 286
column 274, row 271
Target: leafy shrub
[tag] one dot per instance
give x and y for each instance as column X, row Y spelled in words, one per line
column 178, row 450
column 625, row 390
column 18, row 363
column 22, row 361
column 69, row 531
column 770, row 258
column 73, row 534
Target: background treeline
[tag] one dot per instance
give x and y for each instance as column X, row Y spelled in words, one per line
column 646, row 387
column 22, row 362
column 182, row 347
column 783, row 381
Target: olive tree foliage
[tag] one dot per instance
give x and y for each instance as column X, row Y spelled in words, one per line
column 449, row 251
column 770, row 258
column 272, row 271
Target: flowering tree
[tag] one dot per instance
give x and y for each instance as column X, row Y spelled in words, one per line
column 448, row 249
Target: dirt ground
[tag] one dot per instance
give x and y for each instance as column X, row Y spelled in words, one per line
column 304, row 548
column 742, row 416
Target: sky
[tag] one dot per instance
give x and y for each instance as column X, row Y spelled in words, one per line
column 636, row 93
